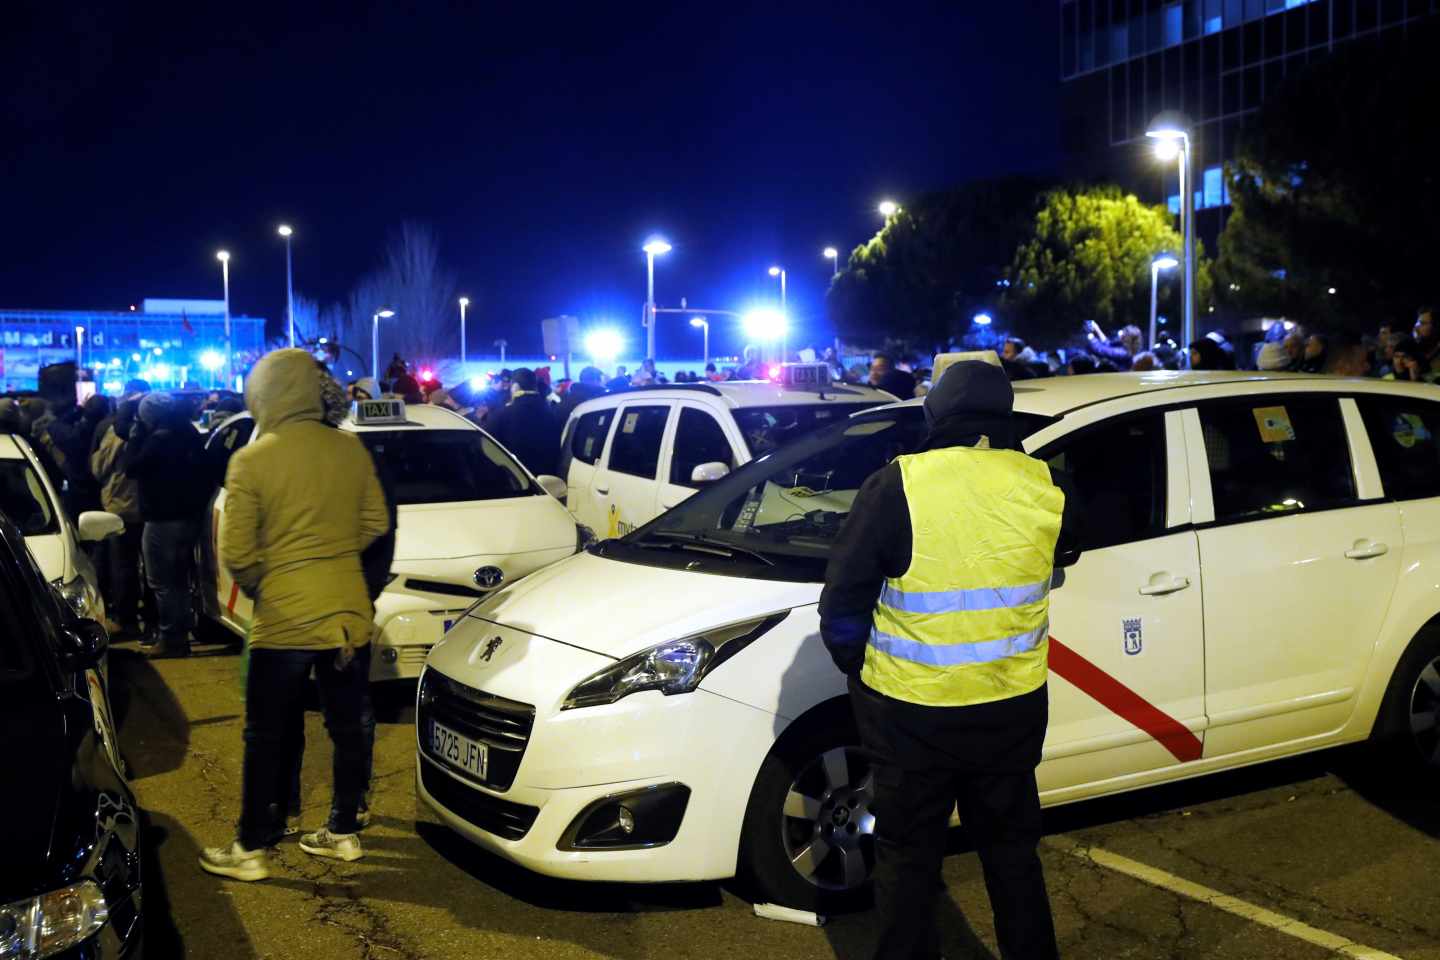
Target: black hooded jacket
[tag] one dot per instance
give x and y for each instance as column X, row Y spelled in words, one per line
column 876, row 541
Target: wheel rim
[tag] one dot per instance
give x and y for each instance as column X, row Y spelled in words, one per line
column 827, row 826
column 1425, row 713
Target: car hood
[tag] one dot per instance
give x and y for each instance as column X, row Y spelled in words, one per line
column 616, row 609
column 447, row 531
column 49, row 553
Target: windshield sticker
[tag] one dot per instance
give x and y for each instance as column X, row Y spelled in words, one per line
column 1274, row 424
column 629, row 425
column 746, row 519
column 802, row 492
column 1409, row 430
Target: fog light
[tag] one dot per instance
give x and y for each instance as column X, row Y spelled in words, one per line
column 648, row 817
column 389, row 654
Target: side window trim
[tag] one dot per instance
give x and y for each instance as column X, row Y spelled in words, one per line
column 1363, row 462
column 667, row 445
column 1179, row 502
column 1202, row 496
column 602, row 462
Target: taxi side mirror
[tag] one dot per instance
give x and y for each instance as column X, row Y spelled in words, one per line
column 554, row 486
column 83, row 644
column 709, row 472
column 97, row 525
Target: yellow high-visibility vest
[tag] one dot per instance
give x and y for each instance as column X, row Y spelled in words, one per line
column 968, row 622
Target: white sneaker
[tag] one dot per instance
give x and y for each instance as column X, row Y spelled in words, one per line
column 336, row 846
column 235, row 862
column 362, row 817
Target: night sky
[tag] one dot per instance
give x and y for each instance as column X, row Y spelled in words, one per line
column 543, row 142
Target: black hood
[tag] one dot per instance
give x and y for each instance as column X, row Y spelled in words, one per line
column 972, row 399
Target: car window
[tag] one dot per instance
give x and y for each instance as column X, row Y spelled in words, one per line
column 1276, row 455
column 446, row 466
column 588, row 441
column 636, row 447
column 699, row 438
column 1118, row 473
column 1403, row 434
column 23, row 499
column 767, row 429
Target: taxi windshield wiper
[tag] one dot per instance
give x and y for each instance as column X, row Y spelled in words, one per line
column 700, row 542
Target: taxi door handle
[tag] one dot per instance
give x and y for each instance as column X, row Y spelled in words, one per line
column 1163, row 583
column 602, row 491
column 1365, row 549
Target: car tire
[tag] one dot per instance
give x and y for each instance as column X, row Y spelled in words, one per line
column 1409, row 723
column 807, row 840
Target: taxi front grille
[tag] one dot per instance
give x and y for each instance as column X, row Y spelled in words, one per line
column 502, row 725
column 510, row 821
column 413, row 656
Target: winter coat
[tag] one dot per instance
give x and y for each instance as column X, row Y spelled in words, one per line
column 119, row 493
column 530, row 429
column 302, row 502
column 163, row 456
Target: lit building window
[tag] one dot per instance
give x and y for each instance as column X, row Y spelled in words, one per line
column 1174, row 24
column 1213, row 192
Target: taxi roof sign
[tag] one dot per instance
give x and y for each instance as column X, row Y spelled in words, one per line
column 944, row 361
column 386, row 410
column 806, row 376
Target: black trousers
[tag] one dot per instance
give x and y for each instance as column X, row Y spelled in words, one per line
column 927, row 761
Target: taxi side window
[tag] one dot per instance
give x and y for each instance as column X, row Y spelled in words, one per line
column 1270, row 456
column 588, row 441
column 1118, row 472
column 636, row 447
column 1403, row 434
column 699, row 438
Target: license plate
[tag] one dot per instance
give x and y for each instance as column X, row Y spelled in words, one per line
column 458, row 750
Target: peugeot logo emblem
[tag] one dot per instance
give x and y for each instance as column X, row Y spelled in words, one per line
column 492, row 646
column 488, row 578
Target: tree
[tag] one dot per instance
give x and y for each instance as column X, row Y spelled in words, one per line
column 1088, row 258
column 411, row 281
column 935, row 264
column 1335, row 187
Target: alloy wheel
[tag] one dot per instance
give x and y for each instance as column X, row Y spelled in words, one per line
column 827, row 827
column 1425, row 713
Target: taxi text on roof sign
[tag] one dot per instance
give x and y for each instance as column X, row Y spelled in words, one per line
column 385, row 410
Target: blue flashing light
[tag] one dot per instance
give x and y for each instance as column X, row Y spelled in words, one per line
column 982, row 320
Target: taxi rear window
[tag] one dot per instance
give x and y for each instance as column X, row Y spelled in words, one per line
column 447, row 466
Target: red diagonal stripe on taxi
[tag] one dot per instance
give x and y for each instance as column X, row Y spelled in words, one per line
column 1124, row 702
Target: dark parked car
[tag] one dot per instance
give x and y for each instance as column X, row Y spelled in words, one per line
column 69, row 827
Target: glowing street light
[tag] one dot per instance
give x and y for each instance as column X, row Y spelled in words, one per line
column 654, row 247
column 1171, row 131
column 286, row 232
column 212, row 361
column 386, row 313
column 982, row 320
column 703, row 324
column 1163, row 261
column 464, row 302
column 888, row 208
column 833, row 255
column 80, row 348
column 604, row 345
column 224, row 257
column 765, row 324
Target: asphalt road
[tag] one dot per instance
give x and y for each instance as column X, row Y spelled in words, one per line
column 1325, row 841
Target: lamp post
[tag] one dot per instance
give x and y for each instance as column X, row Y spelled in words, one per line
column 375, row 340
column 286, row 232
column 79, row 347
column 704, row 325
column 653, row 248
column 833, row 256
column 1171, row 131
column 464, row 302
column 502, row 344
column 888, row 208
column 224, row 257
column 1162, row 261
column 778, row 271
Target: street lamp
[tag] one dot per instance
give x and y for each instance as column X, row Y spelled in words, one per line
column 888, row 208
column 784, row 311
column 603, row 345
column 224, row 257
column 80, row 349
column 286, row 232
column 1171, row 131
column 704, row 325
column 653, row 248
column 375, row 340
column 833, row 256
column 1163, row 261
column 464, row 302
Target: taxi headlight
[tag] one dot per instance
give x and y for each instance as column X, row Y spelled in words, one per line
column 79, row 597
column 45, row 925
column 676, row 666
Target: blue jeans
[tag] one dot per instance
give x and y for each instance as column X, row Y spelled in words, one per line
column 169, row 547
column 275, row 722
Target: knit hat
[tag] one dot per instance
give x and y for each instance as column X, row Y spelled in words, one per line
column 156, row 408
column 1273, row 357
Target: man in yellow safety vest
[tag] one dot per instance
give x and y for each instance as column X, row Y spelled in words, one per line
column 936, row 605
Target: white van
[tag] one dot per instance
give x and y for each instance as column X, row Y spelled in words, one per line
column 1259, row 579
column 630, row 456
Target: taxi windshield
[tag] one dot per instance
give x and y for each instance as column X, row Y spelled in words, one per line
column 767, row 429
column 23, row 499
column 447, row 466
column 777, row 516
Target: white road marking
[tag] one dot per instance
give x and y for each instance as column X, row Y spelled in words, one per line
column 1342, row 946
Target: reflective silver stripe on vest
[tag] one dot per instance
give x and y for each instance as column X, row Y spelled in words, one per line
column 957, row 654
column 960, row 601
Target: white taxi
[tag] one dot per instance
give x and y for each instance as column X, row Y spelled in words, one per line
column 29, row 499
column 1260, row 578
column 630, row 456
column 470, row 519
